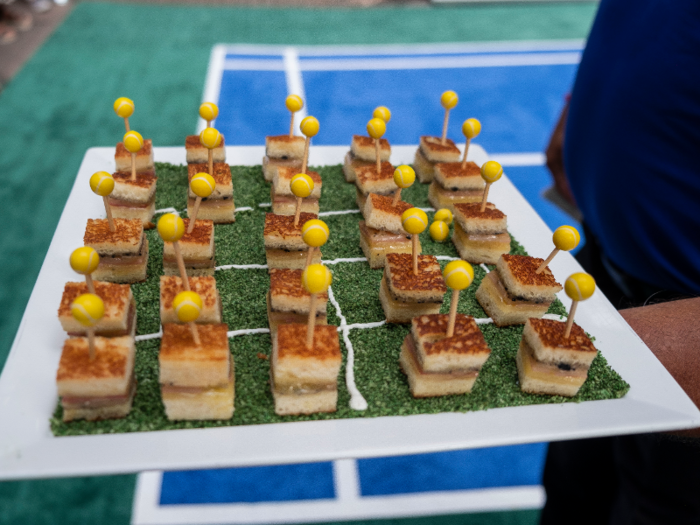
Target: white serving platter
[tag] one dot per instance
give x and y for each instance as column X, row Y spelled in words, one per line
column 28, row 397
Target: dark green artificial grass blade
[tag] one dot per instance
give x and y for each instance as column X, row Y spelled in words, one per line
column 355, row 287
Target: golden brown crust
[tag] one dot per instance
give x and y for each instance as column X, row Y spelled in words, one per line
column 144, row 151
column 437, row 146
column 366, row 174
column 284, row 138
column 283, row 225
column 288, row 283
column 144, row 179
column 171, row 285
column 291, row 342
column 429, row 276
column 177, row 342
column 453, row 170
column 192, row 141
column 125, row 230
column 364, row 142
column 551, row 334
column 113, row 295
column 110, row 359
column 435, row 325
column 524, row 270
column 472, row 342
column 472, row 210
column 286, row 172
column 222, row 172
column 201, row 233
column 383, row 203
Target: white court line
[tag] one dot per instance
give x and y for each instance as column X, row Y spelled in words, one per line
column 146, row 337
column 346, row 260
column 241, row 267
column 212, row 85
column 346, row 480
column 248, row 331
column 341, row 212
column 295, row 83
column 357, row 401
column 265, row 205
column 166, row 210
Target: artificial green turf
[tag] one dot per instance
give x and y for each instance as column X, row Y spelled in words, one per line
column 355, row 286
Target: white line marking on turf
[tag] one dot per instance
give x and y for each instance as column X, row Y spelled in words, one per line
column 295, row 83
column 248, row 331
column 341, row 212
column 346, row 260
column 265, row 205
column 146, row 337
column 167, row 210
column 486, row 268
column 244, row 208
column 357, row 402
column 241, row 267
column 363, row 326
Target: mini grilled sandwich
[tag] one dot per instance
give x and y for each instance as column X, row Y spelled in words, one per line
column 283, row 200
column 120, row 309
column 123, row 252
column 197, row 248
column 171, row 285
column 453, row 185
column 282, row 151
column 198, row 153
column 284, row 246
column 369, row 181
column 219, row 206
column 480, row 236
column 430, row 151
column 134, row 199
column 289, row 303
column 144, row 158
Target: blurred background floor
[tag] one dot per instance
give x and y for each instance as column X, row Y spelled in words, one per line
column 58, row 104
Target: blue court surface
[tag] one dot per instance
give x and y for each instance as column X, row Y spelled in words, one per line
column 517, row 91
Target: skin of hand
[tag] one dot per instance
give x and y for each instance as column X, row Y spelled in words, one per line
column 671, row 332
column 555, row 157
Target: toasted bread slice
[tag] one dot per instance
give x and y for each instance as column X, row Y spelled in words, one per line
column 452, row 177
column 351, row 164
column 376, row 244
column 144, row 158
column 171, row 285
column 197, row 153
column 270, row 166
column 369, row 181
column 425, row 170
column 442, row 198
column 502, row 308
column 363, row 148
column 426, row 286
column 539, row 378
column 381, row 214
column 401, row 311
column 120, row 309
column 282, row 187
column 125, row 241
column 184, row 403
column 518, row 275
column 546, row 339
column 222, row 177
column 480, row 248
column 141, row 190
column 284, row 147
column 435, row 151
column 491, row 221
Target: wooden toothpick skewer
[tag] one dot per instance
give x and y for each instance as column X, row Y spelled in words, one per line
column 379, row 160
column 91, row 341
column 570, row 320
column 195, row 211
column 211, row 161
column 444, row 126
column 108, row 209
column 89, row 283
column 486, row 196
column 133, row 166
column 297, row 213
column 291, row 125
column 181, row 266
column 397, row 197
column 195, row 333
column 547, row 260
column 309, row 256
column 305, row 161
column 453, row 313
column 414, row 243
column 126, row 124
column 312, row 322
column 466, row 149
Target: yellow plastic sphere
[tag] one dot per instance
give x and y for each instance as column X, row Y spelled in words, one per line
column 87, row 309
column 84, row 260
column 102, row 183
column 404, row 176
column 471, row 128
column 294, row 103
column 133, row 141
column 449, row 99
column 458, row 274
column 444, row 215
column 124, row 107
column 210, row 138
column 188, row 306
column 171, row 227
column 491, row 171
column 382, row 112
column 302, row 185
column 208, row 111
column 315, row 233
column 579, row 286
column 414, row 220
column 376, row 128
column 309, row 126
column 316, row 278
column 202, row 185
column 439, row 230
column 566, row 238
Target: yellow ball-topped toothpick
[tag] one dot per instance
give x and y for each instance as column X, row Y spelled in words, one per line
column 579, row 287
column 208, row 111
column 471, row 128
column 315, row 234
column 448, row 100
column 301, row 185
column 414, row 221
column 458, row 275
column 202, row 185
column 439, row 230
column 382, row 112
column 294, row 103
column 188, row 306
column 315, row 279
column 84, row 260
column 444, row 215
column 210, row 138
column 171, row 228
column 309, row 127
column 124, row 108
column 102, row 184
column 133, row 142
column 491, row 171
column 376, row 128
column 404, row 177
column 565, row 238
column 88, row 309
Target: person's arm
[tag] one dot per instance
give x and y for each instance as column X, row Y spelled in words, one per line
column 555, row 157
column 672, row 332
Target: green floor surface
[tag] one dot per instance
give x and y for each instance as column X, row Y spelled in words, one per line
column 59, row 105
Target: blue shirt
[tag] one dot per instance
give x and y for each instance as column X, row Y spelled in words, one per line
column 632, row 144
